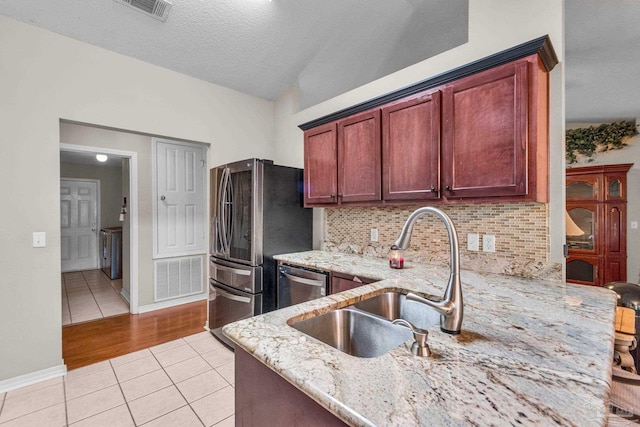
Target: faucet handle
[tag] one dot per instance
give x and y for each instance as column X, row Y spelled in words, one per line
column 419, row 346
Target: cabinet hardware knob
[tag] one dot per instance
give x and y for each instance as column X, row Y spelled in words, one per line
column 340, row 195
column 433, row 189
column 163, row 198
column 333, row 196
column 448, row 188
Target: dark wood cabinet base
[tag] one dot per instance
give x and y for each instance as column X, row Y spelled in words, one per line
column 264, row 398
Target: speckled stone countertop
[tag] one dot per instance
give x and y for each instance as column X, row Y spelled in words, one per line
column 531, row 352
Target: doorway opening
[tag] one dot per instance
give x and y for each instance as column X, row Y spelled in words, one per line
column 110, row 285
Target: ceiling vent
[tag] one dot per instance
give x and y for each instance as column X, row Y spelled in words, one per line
column 158, row 9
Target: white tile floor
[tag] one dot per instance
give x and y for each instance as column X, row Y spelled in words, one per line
column 90, row 295
column 186, row 382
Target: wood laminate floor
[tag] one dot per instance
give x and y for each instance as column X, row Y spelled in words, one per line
column 104, row 339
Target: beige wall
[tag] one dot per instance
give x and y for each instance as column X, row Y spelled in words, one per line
column 46, row 78
column 494, row 25
column 629, row 154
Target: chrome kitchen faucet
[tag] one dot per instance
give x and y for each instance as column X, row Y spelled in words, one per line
column 450, row 309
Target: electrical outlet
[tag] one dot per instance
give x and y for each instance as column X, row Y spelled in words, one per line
column 39, row 239
column 374, row 234
column 488, row 243
column 473, row 242
column 634, row 225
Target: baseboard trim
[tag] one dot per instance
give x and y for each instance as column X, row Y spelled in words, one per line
column 171, row 303
column 32, row 378
column 125, row 294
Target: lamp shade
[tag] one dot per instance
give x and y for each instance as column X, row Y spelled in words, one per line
column 572, row 228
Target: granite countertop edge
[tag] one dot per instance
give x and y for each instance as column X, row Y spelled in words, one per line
column 531, row 351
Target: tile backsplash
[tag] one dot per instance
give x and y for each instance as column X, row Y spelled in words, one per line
column 521, row 236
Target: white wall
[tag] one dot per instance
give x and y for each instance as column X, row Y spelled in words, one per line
column 494, row 25
column 629, row 154
column 44, row 78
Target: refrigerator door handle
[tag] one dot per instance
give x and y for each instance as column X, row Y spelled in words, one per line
column 234, row 270
column 303, row 281
column 222, row 213
column 232, row 297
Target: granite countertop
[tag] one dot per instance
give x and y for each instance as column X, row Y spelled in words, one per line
column 531, row 352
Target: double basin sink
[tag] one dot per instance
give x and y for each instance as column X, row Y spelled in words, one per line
column 365, row 329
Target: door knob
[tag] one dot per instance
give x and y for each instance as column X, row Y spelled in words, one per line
column 163, row 198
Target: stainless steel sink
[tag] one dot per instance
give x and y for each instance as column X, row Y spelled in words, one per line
column 394, row 305
column 355, row 332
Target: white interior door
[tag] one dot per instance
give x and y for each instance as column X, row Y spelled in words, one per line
column 180, row 199
column 79, row 207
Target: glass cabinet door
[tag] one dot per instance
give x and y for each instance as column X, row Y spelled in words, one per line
column 581, row 228
column 583, row 270
column 583, row 188
column 614, row 188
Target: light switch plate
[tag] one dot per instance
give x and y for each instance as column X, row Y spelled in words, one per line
column 489, row 243
column 634, row 225
column 473, row 242
column 39, row 239
column 374, row 234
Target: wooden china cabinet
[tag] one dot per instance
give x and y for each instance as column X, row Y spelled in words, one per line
column 597, row 224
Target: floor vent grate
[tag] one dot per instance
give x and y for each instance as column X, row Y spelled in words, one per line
column 158, row 9
column 177, row 277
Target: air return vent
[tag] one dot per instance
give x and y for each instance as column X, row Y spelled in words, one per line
column 158, row 9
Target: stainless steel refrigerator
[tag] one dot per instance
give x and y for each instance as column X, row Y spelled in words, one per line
column 256, row 213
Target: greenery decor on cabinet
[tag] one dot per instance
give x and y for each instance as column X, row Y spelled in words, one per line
column 587, row 141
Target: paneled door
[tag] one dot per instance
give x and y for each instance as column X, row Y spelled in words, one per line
column 180, row 205
column 79, row 207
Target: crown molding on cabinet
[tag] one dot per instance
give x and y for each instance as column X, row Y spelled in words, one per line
column 542, row 46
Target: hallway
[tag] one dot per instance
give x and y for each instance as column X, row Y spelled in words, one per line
column 90, row 295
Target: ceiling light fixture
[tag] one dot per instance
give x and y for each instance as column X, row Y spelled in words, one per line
column 101, row 157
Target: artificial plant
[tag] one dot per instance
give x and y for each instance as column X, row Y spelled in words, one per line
column 588, row 141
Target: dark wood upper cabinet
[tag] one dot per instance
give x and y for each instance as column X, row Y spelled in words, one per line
column 321, row 165
column 342, row 161
column 490, row 139
column 359, row 158
column 411, row 148
column 483, row 138
column 485, row 134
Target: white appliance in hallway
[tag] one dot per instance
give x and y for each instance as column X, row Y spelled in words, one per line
column 111, row 252
column 79, row 207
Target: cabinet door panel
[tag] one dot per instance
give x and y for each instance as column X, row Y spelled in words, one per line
column 359, row 167
column 584, row 270
column 411, row 149
column 615, row 270
column 615, row 229
column 321, row 165
column 485, row 134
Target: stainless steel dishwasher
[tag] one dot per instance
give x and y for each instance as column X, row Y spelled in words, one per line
column 299, row 284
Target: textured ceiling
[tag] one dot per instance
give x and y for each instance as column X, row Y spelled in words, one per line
column 602, row 55
column 263, row 47
column 326, row 47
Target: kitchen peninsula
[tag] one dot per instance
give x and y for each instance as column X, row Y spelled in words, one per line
column 531, row 352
